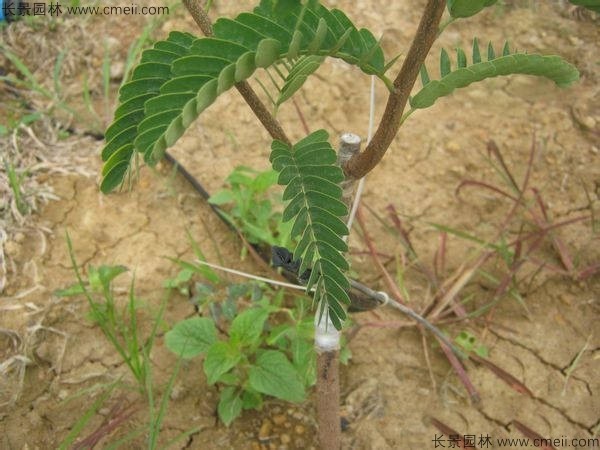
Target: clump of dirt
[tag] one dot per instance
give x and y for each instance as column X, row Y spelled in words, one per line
column 50, row 352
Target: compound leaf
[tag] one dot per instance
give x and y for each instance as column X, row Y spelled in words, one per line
column 467, row 8
column 551, row 67
column 183, row 75
column 310, row 175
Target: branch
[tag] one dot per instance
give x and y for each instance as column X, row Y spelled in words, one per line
column 258, row 107
column 426, row 34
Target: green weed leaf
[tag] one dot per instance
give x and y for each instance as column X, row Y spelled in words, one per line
column 551, row 67
column 230, row 405
column 251, row 399
column 273, row 374
column 304, row 360
column 191, row 337
column 469, row 343
column 311, row 177
column 247, row 327
column 220, row 359
column 222, row 197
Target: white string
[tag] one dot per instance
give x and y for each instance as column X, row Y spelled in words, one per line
column 249, row 275
column 326, row 336
column 361, row 183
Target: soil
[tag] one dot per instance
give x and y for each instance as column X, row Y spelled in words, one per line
column 550, row 342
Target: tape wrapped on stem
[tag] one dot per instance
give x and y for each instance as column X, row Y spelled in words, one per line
column 327, row 338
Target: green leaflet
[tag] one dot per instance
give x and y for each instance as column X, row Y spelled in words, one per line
column 551, row 67
column 311, row 176
column 467, row 8
column 181, row 76
column 593, row 5
column 298, row 75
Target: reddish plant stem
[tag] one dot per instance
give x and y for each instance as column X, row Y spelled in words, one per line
column 426, row 34
column 373, row 251
column 460, row 372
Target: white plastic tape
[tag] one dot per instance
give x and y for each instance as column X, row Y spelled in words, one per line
column 327, row 338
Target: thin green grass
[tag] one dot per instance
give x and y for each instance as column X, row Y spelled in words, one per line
column 15, row 181
column 121, row 330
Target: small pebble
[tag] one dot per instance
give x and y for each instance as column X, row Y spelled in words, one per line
column 265, row 431
column 285, row 438
column 279, row 419
column 177, row 392
column 299, row 429
column 453, row 146
column 12, row 248
column 589, row 122
column 117, row 70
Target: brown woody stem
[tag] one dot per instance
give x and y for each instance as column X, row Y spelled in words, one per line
column 327, row 347
column 328, row 400
column 270, row 123
column 426, row 34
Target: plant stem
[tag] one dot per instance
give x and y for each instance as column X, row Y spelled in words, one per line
column 328, row 399
column 267, row 119
column 327, row 338
column 426, row 34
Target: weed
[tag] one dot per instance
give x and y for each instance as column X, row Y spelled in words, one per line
column 15, row 181
column 252, row 208
column 266, row 349
column 120, row 327
column 257, row 356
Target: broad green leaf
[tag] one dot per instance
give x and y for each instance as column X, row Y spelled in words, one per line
column 278, row 334
column 230, row 405
column 220, row 358
column 251, row 399
column 467, row 8
column 304, row 359
column 264, row 180
column 247, row 327
column 222, row 197
column 191, row 337
column 311, row 177
column 551, row 67
column 273, row 374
